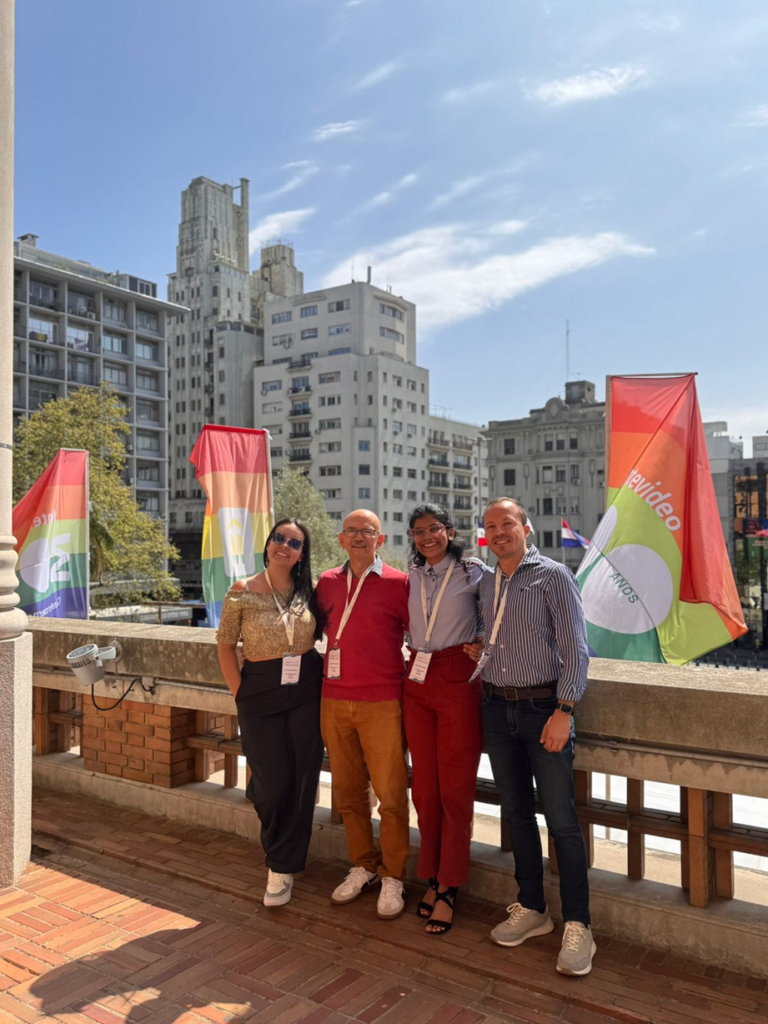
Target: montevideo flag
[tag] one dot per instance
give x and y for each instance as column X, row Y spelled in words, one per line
column 572, row 539
column 232, row 467
column 656, row 582
column 481, row 541
column 50, row 525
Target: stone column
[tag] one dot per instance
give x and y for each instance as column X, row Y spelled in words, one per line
column 15, row 644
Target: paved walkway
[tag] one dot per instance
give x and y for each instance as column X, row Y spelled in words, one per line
column 127, row 918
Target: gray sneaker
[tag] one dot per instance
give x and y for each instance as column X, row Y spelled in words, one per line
column 521, row 924
column 577, row 949
column 279, row 889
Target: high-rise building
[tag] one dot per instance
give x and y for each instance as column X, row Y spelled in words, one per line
column 553, row 461
column 458, row 472
column 76, row 325
column 722, row 450
column 214, row 348
column 344, row 399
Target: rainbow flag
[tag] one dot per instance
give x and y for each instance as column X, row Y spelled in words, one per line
column 50, row 525
column 656, row 583
column 232, row 467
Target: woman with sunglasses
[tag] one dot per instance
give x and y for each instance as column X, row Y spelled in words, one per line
column 441, row 706
column 278, row 697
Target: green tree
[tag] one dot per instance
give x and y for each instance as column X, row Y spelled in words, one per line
column 296, row 498
column 128, row 546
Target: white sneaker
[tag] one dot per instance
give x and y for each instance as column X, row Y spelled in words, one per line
column 358, row 881
column 390, row 903
column 279, row 888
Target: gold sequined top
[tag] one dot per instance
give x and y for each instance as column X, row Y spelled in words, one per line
column 254, row 619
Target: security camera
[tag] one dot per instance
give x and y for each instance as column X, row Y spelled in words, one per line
column 87, row 662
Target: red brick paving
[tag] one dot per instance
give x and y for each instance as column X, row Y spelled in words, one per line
column 127, row 919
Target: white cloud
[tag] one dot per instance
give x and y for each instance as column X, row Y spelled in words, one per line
column 757, row 118
column 465, row 186
column 457, row 271
column 378, row 75
column 335, row 130
column 275, row 225
column 386, row 197
column 593, row 85
column 508, row 227
column 303, row 171
column 469, row 92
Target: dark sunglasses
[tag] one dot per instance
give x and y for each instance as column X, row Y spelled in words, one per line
column 293, row 542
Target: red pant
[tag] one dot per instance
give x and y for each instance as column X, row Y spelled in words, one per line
column 443, row 724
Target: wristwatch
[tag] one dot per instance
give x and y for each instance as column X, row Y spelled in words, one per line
column 567, row 709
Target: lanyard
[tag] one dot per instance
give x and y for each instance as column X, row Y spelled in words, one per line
column 499, row 607
column 351, row 604
column 431, row 619
column 286, row 614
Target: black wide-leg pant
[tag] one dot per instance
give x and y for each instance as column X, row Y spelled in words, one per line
column 280, row 732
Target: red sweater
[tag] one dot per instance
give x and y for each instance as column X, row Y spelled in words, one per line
column 372, row 665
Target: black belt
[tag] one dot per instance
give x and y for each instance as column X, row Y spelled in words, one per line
column 520, row 692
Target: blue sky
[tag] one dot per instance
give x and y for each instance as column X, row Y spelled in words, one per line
column 507, row 165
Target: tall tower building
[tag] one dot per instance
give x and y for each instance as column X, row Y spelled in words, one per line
column 214, row 348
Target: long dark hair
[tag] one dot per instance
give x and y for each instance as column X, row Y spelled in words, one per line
column 442, row 515
column 301, row 573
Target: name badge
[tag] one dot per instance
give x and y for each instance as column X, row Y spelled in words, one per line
column 420, row 666
column 480, row 666
column 333, row 664
column 291, row 669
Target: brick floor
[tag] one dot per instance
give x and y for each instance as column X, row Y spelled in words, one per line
column 126, row 918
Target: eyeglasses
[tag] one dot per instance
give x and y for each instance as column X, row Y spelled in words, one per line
column 431, row 531
column 367, row 534
column 293, row 542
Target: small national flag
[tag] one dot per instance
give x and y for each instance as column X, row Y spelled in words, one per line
column 481, row 541
column 572, row 539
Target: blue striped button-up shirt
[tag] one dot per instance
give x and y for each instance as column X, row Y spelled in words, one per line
column 542, row 638
column 458, row 621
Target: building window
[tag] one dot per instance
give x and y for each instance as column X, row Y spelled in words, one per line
column 412, row 495
column 149, row 474
column 363, row 446
column 385, row 332
column 286, row 340
column 396, row 495
column 330, row 446
column 574, row 474
column 80, row 338
column 574, row 442
column 338, row 306
column 309, row 310
column 546, row 474
column 575, row 507
column 339, row 329
column 364, row 469
column 116, row 375
column 147, row 381
column 148, row 442
column 398, row 540
column 397, row 517
column 330, row 471
column 282, row 318
column 548, row 443
column 547, row 507
column 271, row 385
column 147, row 321
column 509, row 477
column 363, row 492
column 330, row 378
column 391, row 311
column 115, row 310
column 146, row 412
column 560, row 443
column 560, row 475
column 310, row 332
column 146, row 350
column 330, row 424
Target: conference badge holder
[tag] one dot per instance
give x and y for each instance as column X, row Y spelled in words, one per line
column 480, row 666
column 333, row 668
column 420, row 666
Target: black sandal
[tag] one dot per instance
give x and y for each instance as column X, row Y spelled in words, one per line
column 425, row 909
column 448, row 897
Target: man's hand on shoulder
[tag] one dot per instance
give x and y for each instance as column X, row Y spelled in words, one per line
column 556, row 732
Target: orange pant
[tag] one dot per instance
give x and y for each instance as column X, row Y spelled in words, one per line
column 366, row 739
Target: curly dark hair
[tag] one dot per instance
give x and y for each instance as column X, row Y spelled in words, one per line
column 442, row 515
column 301, row 573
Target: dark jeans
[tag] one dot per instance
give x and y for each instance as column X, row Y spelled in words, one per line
column 512, row 732
column 280, row 733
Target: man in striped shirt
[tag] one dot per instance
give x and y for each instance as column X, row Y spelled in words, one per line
column 534, row 671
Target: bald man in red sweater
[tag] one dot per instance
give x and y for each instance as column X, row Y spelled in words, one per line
column 365, row 607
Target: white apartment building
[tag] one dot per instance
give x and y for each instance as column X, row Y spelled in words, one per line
column 214, row 347
column 76, row 325
column 457, row 455
column 553, row 461
column 343, row 398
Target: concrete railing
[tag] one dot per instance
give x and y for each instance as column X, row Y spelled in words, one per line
column 700, row 729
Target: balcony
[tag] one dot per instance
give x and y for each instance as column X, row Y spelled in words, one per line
column 45, row 303
column 302, row 455
column 82, row 345
column 46, row 339
column 462, row 467
column 463, row 444
column 462, row 504
column 439, row 483
column 19, row 295
column 304, row 390
column 84, row 310
column 19, row 366
column 19, row 400
column 46, row 370
column 82, row 376
column 636, row 724
column 438, row 441
column 439, row 461
column 300, row 435
column 462, row 485
column 299, row 364
column 300, row 412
